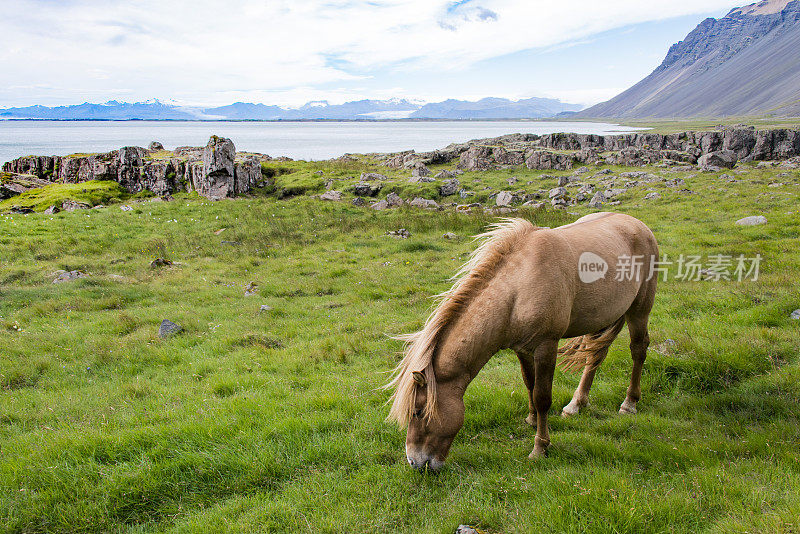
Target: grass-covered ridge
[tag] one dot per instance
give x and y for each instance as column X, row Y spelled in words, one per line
column 274, row 421
column 93, row 193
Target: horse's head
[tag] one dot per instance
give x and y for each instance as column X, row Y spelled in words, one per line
column 430, row 435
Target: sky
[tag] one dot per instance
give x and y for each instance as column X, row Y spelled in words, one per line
column 289, row 52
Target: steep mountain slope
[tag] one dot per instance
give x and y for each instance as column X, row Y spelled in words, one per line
column 747, row 63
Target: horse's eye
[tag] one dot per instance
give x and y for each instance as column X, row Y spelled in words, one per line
column 418, row 413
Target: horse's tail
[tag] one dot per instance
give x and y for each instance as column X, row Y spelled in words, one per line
column 589, row 350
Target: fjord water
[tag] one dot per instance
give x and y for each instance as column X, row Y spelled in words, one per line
column 297, row 140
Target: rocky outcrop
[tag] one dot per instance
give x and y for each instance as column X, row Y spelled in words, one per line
column 560, row 151
column 215, row 171
column 216, row 180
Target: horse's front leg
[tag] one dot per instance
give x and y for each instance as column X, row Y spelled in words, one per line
column 544, row 363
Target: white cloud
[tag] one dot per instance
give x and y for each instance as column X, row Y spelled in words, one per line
column 205, row 51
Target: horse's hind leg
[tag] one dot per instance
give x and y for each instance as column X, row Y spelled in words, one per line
column 640, row 340
column 544, row 363
column 581, row 396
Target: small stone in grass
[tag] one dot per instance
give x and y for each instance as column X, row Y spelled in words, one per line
column 265, row 308
column 796, row 315
column 168, row 328
column 159, row 262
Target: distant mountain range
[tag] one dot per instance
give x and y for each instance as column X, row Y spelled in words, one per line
column 747, row 63
column 487, row 108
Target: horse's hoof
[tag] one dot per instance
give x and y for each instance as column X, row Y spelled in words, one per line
column 573, row 408
column 627, row 409
column 570, row 410
column 531, row 419
column 537, row 453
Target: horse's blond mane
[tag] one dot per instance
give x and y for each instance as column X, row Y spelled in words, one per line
column 419, row 349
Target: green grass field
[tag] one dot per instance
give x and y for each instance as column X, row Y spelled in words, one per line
column 274, row 421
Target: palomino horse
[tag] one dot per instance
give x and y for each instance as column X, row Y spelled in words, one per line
column 525, row 288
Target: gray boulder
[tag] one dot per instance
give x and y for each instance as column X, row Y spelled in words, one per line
column 504, row 198
column 450, row 187
column 721, row 158
column 754, row 220
column 332, row 195
column 217, row 179
column 424, row 203
column 72, row 205
column 68, row 276
column 597, row 200
column 167, row 328
column 369, row 176
column 393, row 200
column 364, row 189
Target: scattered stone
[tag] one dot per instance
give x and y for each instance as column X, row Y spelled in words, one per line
column 250, row 289
column 420, row 170
column 444, row 175
column 68, row 276
column 159, row 262
column 451, row 236
column 611, row 193
column 231, row 243
column 155, row 146
column 364, row 189
column 775, row 184
column 358, row 201
column 582, row 170
column 370, row 176
column 604, row 172
column 265, row 308
column 393, row 200
column 720, row 159
column 534, row 204
column 450, row 187
column 652, row 196
column 563, row 180
column 676, row 182
column 466, row 194
column 126, row 208
column 402, row 233
column 98, row 207
column 513, row 180
column 754, row 220
column 557, row 193
column 334, row 196
column 597, row 200
column 72, row 205
column 795, row 316
column 380, row 205
column 504, row 198
column 424, row 203
column 52, row 209
column 168, row 328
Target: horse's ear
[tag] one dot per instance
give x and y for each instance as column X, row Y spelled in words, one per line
column 419, row 378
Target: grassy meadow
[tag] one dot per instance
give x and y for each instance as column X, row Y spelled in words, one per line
column 273, row 421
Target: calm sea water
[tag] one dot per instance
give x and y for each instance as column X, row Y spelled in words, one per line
column 297, row 140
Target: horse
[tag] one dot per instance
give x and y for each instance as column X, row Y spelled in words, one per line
column 526, row 288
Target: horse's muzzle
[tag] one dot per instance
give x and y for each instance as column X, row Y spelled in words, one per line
column 421, row 462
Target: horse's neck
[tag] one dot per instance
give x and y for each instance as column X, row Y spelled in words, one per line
column 467, row 345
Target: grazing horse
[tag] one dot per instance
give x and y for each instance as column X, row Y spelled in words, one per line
column 525, row 288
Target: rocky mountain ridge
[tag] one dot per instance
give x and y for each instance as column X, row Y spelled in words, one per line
column 487, row 108
column 745, row 63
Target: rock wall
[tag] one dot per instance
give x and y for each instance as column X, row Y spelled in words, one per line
column 214, row 171
column 561, row 151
